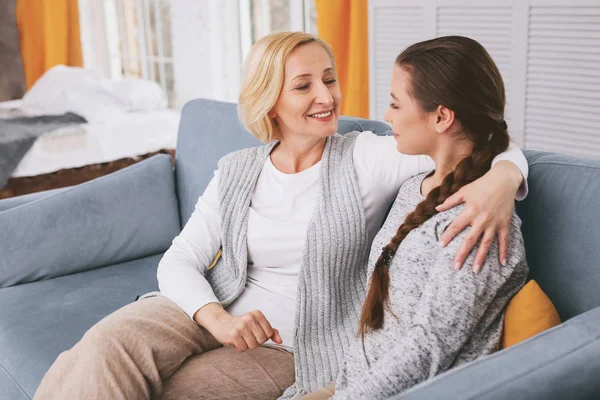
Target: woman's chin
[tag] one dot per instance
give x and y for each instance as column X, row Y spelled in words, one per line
column 405, row 149
column 329, row 129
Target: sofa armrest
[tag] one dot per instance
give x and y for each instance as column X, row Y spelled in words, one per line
column 128, row 214
column 560, row 363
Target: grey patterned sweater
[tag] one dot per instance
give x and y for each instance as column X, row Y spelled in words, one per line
column 443, row 317
column 333, row 274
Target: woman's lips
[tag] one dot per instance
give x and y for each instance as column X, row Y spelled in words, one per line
column 322, row 117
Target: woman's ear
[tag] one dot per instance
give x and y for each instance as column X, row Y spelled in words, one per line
column 271, row 114
column 444, row 118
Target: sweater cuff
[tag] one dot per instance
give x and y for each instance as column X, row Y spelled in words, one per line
column 192, row 305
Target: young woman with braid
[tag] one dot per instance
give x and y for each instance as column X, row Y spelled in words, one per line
column 422, row 317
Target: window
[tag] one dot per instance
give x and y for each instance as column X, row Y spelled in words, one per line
column 141, row 33
column 267, row 16
column 192, row 48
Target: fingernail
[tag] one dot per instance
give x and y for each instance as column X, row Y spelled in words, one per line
column 503, row 262
column 442, row 243
column 476, row 268
column 456, row 265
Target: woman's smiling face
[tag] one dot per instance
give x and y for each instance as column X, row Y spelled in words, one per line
column 309, row 102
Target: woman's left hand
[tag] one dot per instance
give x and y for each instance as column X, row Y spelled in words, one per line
column 323, row 393
column 490, row 202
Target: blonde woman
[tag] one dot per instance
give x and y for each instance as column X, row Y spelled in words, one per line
column 294, row 220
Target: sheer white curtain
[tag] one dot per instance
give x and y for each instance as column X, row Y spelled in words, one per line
column 193, row 49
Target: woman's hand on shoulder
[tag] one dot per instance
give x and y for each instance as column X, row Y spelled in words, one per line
column 489, row 206
column 244, row 332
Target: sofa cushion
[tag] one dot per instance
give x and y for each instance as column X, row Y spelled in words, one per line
column 561, row 228
column 123, row 216
column 209, row 130
column 528, row 313
column 42, row 319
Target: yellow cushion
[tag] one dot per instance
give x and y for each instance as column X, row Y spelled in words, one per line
column 528, row 313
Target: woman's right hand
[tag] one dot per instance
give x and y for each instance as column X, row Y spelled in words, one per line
column 247, row 331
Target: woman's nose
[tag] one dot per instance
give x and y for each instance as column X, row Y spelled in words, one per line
column 323, row 95
column 386, row 116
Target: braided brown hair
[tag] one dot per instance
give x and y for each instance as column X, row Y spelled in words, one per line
column 458, row 73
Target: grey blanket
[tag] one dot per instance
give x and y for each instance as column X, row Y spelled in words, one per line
column 17, row 135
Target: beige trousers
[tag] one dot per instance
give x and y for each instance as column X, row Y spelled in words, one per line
column 151, row 349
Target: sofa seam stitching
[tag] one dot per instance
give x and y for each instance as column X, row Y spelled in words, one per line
column 360, row 126
column 14, row 381
column 536, row 163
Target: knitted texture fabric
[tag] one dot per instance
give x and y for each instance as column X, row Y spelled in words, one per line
column 332, row 277
column 438, row 318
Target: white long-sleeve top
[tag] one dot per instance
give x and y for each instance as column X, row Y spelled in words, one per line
column 280, row 211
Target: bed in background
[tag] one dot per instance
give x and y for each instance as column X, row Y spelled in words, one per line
column 126, row 121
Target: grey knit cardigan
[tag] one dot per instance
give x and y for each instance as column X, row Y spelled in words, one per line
column 332, row 277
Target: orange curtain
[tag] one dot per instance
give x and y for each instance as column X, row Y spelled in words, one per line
column 344, row 25
column 49, row 35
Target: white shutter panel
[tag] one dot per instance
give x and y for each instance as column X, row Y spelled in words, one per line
column 392, row 28
column 490, row 25
column 548, row 52
column 563, row 80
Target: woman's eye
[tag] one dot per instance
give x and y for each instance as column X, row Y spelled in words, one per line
column 395, row 107
column 330, row 81
column 303, row 87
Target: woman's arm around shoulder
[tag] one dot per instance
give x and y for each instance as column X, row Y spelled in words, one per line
column 489, row 206
column 377, row 159
column 377, row 162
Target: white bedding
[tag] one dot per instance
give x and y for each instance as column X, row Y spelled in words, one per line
column 130, row 135
column 126, row 118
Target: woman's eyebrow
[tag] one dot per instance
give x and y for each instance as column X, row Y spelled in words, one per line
column 330, row 69
column 301, row 76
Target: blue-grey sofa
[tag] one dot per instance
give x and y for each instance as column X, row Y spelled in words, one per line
column 71, row 256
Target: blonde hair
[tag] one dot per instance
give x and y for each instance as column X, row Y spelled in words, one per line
column 262, row 79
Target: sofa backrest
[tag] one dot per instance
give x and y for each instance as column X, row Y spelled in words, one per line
column 209, row 130
column 561, row 227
